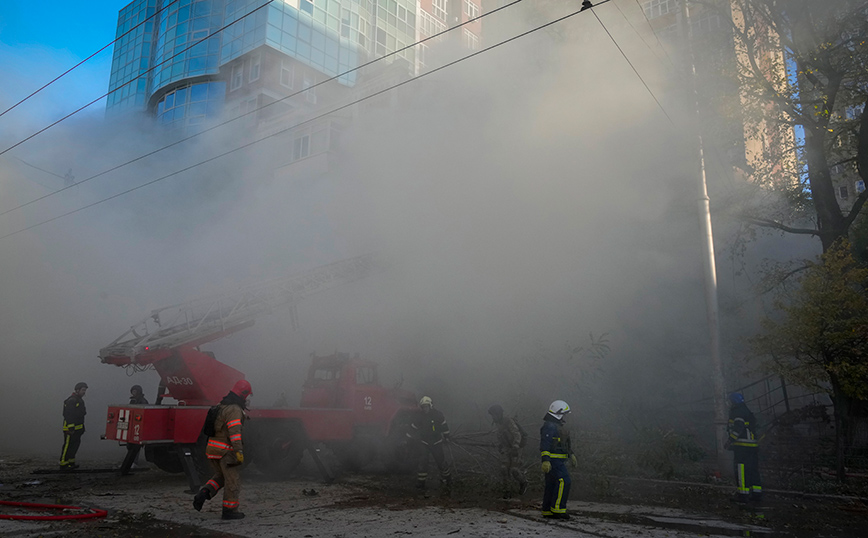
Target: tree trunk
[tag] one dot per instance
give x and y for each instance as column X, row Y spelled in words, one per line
column 830, row 220
column 842, row 426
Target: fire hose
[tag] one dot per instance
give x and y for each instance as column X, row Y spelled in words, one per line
column 92, row 514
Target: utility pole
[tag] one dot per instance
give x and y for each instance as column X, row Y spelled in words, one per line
column 720, row 412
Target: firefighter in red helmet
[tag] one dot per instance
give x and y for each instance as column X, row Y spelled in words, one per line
column 225, row 452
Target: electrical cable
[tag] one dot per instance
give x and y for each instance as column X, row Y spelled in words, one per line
column 634, row 69
column 58, row 77
column 199, row 133
column 74, row 112
column 342, row 107
column 40, row 169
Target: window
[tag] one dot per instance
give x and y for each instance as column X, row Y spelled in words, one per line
column 255, row 65
column 323, row 374
column 364, row 376
column 287, row 74
column 471, row 9
column 438, row 7
column 237, row 78
column 469, row 39
column 707, row 21
column 310, row 93
column 429, row 26
column 301, row 147
column 842, row 191
column 658, row 8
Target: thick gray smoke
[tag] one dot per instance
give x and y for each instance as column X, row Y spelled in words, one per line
column 526, row 203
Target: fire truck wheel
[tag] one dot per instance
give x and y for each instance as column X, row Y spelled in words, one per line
column 165, row 458
column 279, row 449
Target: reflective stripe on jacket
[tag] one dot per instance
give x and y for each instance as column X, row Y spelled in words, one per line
column 742, row 427
column 554, row 440
column 228, row 425
column 73, row 413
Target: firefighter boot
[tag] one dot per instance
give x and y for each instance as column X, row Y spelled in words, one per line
column 200, row 498
column 232, row 514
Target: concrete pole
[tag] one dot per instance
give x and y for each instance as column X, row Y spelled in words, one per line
column 720, row 411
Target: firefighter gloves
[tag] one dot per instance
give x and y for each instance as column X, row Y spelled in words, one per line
column 239, row 457
column 546, row 466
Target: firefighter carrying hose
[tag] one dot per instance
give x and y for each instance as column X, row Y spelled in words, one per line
column 225, row 452
column 555, row 450
column 742, row 441
column 429, row 428
column 73, row 426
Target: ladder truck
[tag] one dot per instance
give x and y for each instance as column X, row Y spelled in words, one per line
column 343, row 405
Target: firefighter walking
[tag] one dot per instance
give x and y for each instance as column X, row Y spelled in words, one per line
column 137, row 397
column 225, row 452
column 555, row 449
column 509, row 444
column 743, row 442
column 73, row 426
column 430, row 430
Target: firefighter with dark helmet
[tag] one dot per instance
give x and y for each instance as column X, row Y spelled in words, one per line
column 555, row 449
column 743, row 442
column 225, row 452
column 430, row 430
column 73, row 426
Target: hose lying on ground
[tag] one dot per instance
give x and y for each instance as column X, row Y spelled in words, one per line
column 93, row 512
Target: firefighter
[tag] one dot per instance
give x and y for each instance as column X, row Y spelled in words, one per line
column 743, row 442
column 73, row 426
column 555, row 450
column 430, row 430
column 137, row 396
column 509, row 443
column 225, row 452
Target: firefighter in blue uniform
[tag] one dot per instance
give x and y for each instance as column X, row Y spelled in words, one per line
column 744, row 444
column 430, row 431
column 555, row 450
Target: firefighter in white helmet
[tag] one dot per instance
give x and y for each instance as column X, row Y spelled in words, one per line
column 430, row 431
column 555, row 450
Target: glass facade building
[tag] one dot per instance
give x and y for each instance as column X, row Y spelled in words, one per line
column 174, row 58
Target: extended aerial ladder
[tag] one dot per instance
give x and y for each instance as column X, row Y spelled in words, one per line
column 168, row 339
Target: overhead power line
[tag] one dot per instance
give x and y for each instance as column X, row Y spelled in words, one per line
column 58, row 77
column 76, row 111
column 199, row 133
column 342, row 107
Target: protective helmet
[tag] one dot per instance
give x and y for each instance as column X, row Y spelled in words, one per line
column 558, row 409
column 81, row 385
column 242, row 388
column 426, row 401
column 736, row 398
column 495, row 410
column 136, row 388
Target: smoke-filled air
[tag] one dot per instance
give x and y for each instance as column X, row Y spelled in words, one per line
column 530, row 198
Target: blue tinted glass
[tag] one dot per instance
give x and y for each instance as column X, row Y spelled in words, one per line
column 181, row 96
column 202, row 7
column 170, row 100
column 197, row 109
column 183, row 13
column 179, row 112
column 198, row 92
column 306, row 7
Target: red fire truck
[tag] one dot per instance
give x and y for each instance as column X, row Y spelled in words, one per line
column 343, row 405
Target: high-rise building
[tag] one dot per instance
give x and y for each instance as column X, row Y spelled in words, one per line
column 197, row 58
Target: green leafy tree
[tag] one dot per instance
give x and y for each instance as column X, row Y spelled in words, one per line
column 821, row 337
